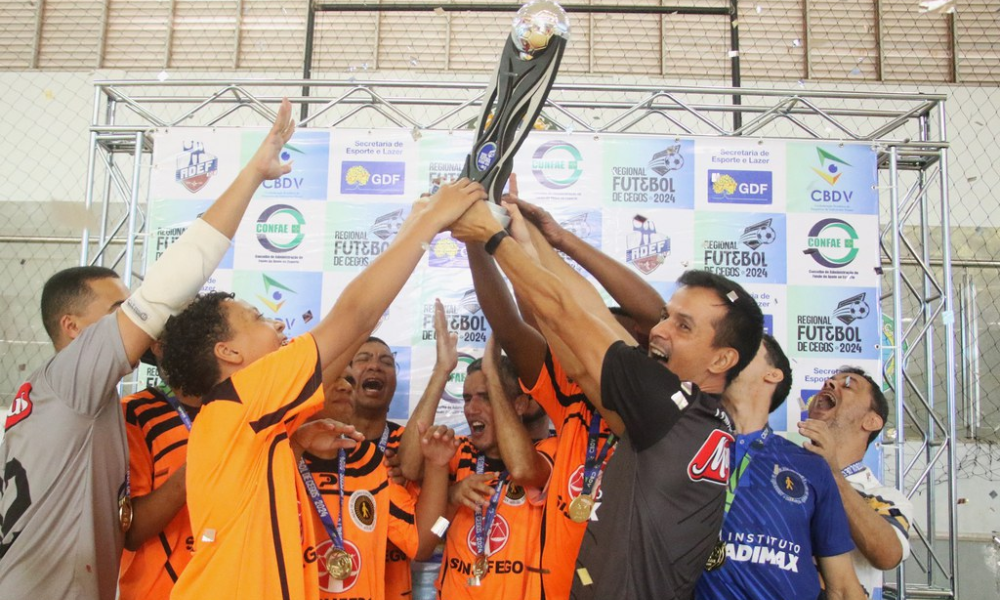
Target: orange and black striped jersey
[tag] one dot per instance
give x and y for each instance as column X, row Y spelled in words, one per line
column 376, row 512
column 511, row 542
column 157, row 445
column 571, row 412
column 245, row 495
column 398, row 577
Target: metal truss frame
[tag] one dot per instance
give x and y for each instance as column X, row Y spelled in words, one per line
column 908, row 131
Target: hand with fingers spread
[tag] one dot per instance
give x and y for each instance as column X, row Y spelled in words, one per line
column 820, row 441
column 553, row 232
column 473, row 492
column 438, row 444
column 451, row 200
column 267, row 160
column 325, row 436
column 447, row 341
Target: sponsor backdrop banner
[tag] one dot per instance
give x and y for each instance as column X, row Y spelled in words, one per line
column 796, row 223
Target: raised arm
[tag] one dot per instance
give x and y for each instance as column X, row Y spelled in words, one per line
column 187, row 264
column 352, row 318
column 438, row 445
column 629, row 290
column 526, row 466
column 549, row 300
column 411, row 459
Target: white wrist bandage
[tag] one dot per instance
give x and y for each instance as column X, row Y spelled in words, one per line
column 176, row 277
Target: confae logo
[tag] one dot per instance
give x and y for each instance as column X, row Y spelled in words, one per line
column 557, row 165
column 279, row 228
column 833, row 243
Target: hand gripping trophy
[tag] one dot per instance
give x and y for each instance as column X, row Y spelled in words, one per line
column 516, row 95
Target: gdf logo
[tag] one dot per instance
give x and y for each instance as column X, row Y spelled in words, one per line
column 739, row 187
column 372, row 177
column 557, row 165
column 329, row 584
column 279, row 228
column 495, row 541
column 456, row 381
column 832, row 243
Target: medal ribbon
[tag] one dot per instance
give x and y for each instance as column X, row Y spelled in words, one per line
column 594, row 462
column 736, row 474
column 853, row 468
column 485, row 523
column 174, row 402
column 384, row 440
column 336, row 532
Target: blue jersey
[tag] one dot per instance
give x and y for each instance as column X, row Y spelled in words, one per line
column 786, row 510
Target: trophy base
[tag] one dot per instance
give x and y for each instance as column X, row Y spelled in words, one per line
column 500, row 214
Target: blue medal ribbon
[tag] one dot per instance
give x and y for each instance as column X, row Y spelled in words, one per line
column 485, row 522
column 384, row 440
column 853, row 468
column 736, row 474
column 174, row 402
column 594, row 461
column 336, row 532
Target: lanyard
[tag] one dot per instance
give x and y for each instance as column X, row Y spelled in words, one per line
column 336, row 533
column 736, row 474
column 853, row 468
column 384, row 440
column 594, row 462
column 174, row 402
column 485, row 523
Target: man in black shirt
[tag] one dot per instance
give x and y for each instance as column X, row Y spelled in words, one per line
column 664, row 488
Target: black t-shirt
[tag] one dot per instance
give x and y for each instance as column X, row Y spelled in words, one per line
column 664, row 488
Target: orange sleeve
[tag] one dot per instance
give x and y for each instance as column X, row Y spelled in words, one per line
column 140, row 462
column 402, row 519
column 547, row 448
column 285, row 386
column 553, row 390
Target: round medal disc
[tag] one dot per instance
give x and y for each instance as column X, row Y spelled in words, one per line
column 481, row 567
column 338, row 564
column 580, row 508
column 717, row 558
column 125, row 513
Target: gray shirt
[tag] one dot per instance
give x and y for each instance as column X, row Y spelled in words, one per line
column 64, row 458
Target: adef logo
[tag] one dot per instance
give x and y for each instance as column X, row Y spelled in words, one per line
column 646, row 249
column 195, row 166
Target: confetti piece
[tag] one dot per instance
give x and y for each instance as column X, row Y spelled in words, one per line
column 734, row 53
column 796, row 42
column 733, row 296
column 584, row 576
column 941, row 7
column 208, row 536
column 679, row 400
column 687, row 387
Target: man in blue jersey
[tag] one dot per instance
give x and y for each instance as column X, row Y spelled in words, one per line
column 782, row 507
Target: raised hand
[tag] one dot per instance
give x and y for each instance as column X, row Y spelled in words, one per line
column 447, row 341
column 491, row 358
column 392, row 465
column 543, row 220
column 438, row 444
column 267, row 160
column 473, row 492
column 820, row 441
column 452, row 200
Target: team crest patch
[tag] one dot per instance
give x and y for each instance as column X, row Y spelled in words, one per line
column 20, row 408
column 363, row 510
column 515, row 495
column 711, row 462
column 791, row 485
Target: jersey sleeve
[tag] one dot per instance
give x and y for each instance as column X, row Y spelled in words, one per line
column 402, row 519
column 830, row 532
column 285, row 386
column 84, row 373
column 547, row 448
column 640, row 390
column 546, row 391
column 140, row 462
column 896, row 509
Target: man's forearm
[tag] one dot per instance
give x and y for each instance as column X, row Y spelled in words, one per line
column 432, row 504
column 872, row 534
column 526, row 467
column 411, row 459
column 154, row 511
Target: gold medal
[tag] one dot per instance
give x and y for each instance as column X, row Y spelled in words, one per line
column 717, row 558
column 338, row 564
column 580, row 508
column 481, row 567
column 125, row 512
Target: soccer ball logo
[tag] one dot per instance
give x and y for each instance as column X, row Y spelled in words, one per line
column 852, row 309
column 758, row 235
column 667, row 160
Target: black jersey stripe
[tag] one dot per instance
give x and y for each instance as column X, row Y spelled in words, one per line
column 308, row 389
column 275, row 525
column 168, row 450
column 166, row 562
column 164, row 426
column 399, row 513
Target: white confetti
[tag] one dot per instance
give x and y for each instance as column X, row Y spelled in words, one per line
column 163, row 75
column 679, row 400
column 941, row 7
column 796, row 43
column 208, row 536
column 733, row 296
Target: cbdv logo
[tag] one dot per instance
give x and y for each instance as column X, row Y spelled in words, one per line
column 195, row 166
column 830, row 168
column 371, row 177
column 557, row 165
column 739, row 187
column 833, row 243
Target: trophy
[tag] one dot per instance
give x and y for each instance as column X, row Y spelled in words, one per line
column 516, row 95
